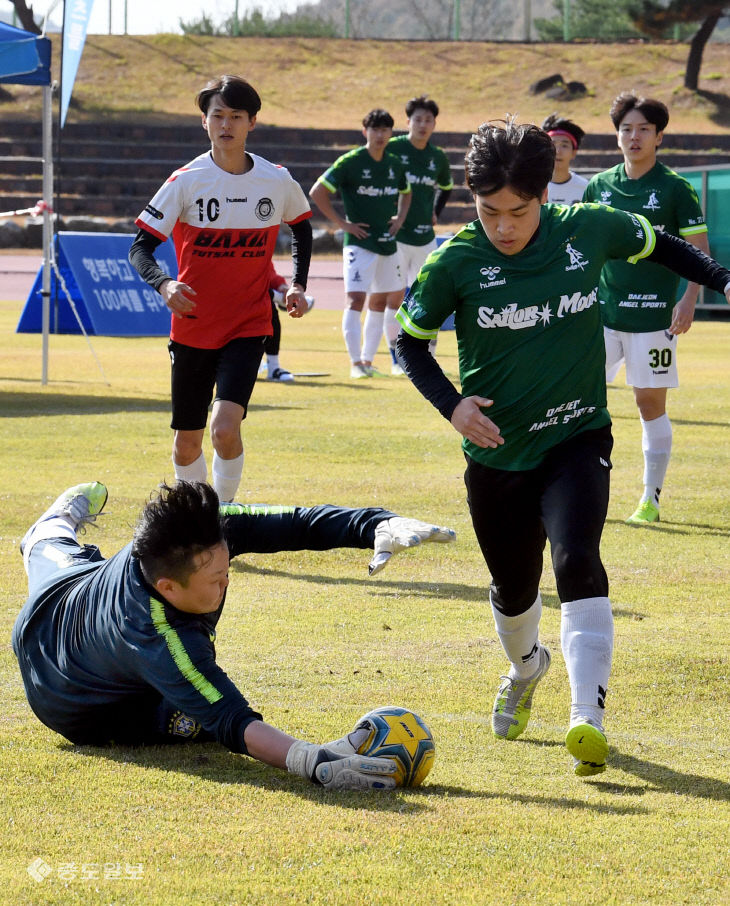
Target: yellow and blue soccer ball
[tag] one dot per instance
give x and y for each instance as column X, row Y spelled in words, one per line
column 399, row 734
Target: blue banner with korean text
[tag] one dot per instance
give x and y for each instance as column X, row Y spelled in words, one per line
column 110, row 297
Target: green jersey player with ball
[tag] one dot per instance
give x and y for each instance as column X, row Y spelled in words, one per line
column 522, row 284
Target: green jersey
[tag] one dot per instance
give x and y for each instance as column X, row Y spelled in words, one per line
column 369, row 190
column 426, row 169
column 640, row 299
column 528, row 326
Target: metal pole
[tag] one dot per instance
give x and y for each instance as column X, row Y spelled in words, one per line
column 457, row 20
column 47, row 225
column 567, row 34
column 236, row 30
column 125, row 17
column 347, row 18
column 528, row 20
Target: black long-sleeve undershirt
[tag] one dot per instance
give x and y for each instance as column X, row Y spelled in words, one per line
column 142, row 255
column 442, row 196
column 670, row 251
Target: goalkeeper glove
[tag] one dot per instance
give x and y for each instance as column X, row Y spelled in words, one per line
column 334, row 771
column 398, row 533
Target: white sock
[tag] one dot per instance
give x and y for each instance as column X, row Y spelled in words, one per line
column 372, row 333
column 272, row 363
column 391, row 326
column 520, row 638
column 227, row 476
column 586, row 636
column 55, row 527
column 196, row 471
column 351, row 331
column 656, row 442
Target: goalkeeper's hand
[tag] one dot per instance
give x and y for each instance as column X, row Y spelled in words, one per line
column 335, row 771
column 398, row 533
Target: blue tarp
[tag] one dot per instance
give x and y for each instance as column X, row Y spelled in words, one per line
column 25, row 58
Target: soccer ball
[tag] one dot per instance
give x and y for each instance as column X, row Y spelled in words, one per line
column 399, row 734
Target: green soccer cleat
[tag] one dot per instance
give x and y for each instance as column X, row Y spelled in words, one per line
column 512, row 705
column 645, row 514
column 81, row 504
column 589, row 748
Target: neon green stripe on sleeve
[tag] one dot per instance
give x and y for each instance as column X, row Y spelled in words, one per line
column 403, row 318
column 180, row 655
column 253, row 509
column 649, row 243
column 693, row 230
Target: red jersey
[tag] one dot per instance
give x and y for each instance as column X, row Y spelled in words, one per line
column 224, row 226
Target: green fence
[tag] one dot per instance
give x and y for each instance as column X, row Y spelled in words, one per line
column 712, row 185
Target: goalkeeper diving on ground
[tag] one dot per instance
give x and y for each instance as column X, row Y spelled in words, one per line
column 123, row 649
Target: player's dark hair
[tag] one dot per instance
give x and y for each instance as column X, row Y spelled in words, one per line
column 377, row 118
column 557, row 123
column 502, row 153
column 655, row 111
column 424, row 102
column 173, row 528
column 235, row 91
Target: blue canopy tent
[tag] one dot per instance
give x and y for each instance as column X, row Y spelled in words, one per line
column 25, row 59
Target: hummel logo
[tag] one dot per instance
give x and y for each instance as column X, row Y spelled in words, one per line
column 606, row 197
column 490, row 272
column 366, row 174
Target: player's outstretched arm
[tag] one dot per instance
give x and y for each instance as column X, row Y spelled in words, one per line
column 258, row 528
column 323, row 766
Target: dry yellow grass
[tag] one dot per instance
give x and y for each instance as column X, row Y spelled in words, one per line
column 330, row 83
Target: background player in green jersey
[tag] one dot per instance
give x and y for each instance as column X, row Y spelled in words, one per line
column 429, row 174
column 638, row 302
column 565, row 187
column 522, row 283
column 376, row 196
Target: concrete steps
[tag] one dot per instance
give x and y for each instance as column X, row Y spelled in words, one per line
column 112, row 170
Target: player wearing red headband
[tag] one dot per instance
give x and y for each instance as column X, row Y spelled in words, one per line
column 566, row 187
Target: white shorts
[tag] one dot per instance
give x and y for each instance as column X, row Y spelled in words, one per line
column 651, row 357
column 367, row 272
column 412, row 258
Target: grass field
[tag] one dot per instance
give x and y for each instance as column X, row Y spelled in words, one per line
column 306, row 82
column 314, row 643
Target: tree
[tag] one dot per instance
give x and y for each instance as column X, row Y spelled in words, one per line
column 255, row 24
column 590, row 19
column 25, row 16
column 653, row 18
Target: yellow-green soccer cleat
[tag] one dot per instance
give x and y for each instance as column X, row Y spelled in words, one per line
column 589, row 748
column 81, row 504
column 645, row 513
column 512, row 705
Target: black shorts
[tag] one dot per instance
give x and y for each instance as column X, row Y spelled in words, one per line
column 563, row 500
column 232, row 370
